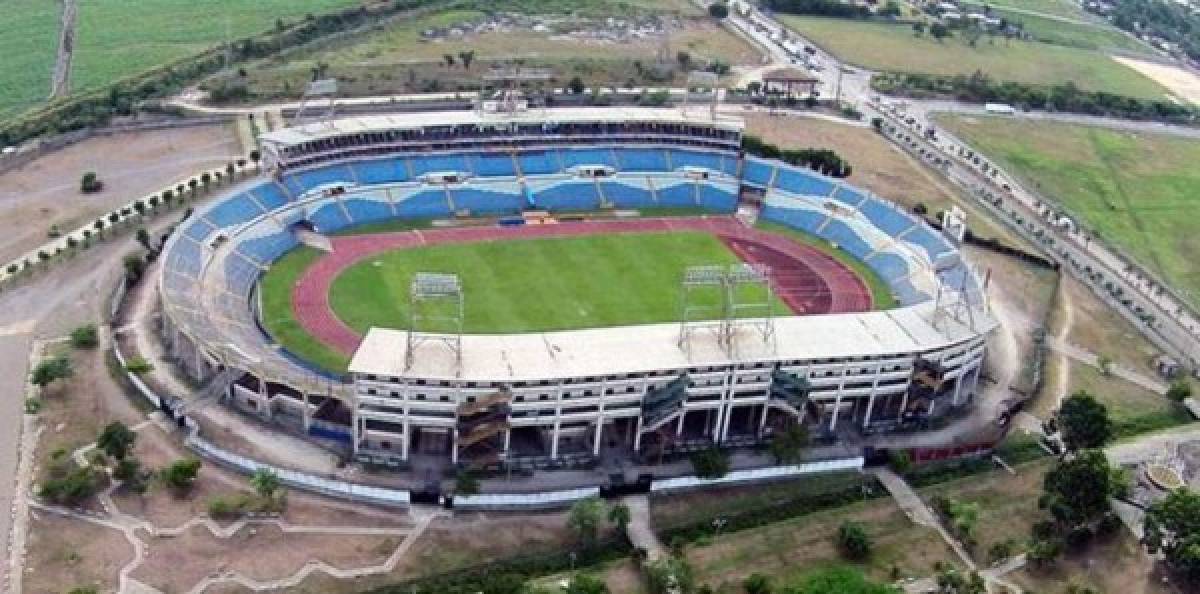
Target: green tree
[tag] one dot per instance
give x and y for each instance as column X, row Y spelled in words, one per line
column 116, row 440
column 1172, row 527
column 711, row 463
column 757, row 583
column 1180, row 390
column 1076, row 491
column 576, row 86
column 584, row 583
column 85, row 337
column 466, row 57
column 839, row 580
column 853, row 541
column 143, row 237
column 684, row 59
column 50, row 371
column 266, row 483
column 939, row 31
column 789, row 444
column 951, row 581
column 466, row 483
column 619, row 516
column 181, row 474
column 718, row 10
column 1084, row 422
column 584, row 519
column 90, row 183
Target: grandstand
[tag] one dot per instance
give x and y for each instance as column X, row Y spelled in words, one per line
column 562, row 396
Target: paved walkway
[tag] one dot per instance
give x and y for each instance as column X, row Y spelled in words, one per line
column 918, row 512
column 639, row 530
column 1087, row 357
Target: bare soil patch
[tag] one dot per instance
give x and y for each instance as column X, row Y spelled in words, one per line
column 1183, row 83
column 63, row 553
column 261, row 552
column 46, row 191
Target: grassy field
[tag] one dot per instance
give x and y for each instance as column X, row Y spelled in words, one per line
column 1090, row 37
column 1062, row 8
column 118, row 38
column 886, row 46
column 538, row 284
column 396, row 57
column 29, row 43
column 1138, row 191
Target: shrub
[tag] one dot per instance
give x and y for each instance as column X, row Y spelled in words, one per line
column 853, row 541
column 90, row 183
column 85, row 337
column 712, row 463
column 181, row 474
column 757, row 583
column 72, row 489
column 138, row 366
column 1180, row 390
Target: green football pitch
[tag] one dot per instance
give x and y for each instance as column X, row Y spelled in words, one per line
column 530, row 285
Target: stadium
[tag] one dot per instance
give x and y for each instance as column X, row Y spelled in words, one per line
column 545, row 288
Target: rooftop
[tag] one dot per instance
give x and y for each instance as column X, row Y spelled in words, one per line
column 413, row 121
column 633, row 349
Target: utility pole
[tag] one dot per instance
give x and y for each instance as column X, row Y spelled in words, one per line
column 837, row 89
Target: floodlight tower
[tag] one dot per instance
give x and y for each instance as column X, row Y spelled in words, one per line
column 707, row 82
column 320, row 96
column 435, row 314
column 696, row 313
column 750, row 299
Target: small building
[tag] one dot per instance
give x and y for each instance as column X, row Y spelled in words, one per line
column 789, row 82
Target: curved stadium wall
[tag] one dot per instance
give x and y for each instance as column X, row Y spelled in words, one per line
column 215, row 258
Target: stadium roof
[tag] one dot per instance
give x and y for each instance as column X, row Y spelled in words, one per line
column 418, row 120
column 634, row 349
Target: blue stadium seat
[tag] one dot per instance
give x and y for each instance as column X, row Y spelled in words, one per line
column 845, row 237
column 439, row 163
column 848, row 195
column 682, row 193
column 929, row 240
column 888, row 266
column 333, row 174
column 757, row 172
column 539, row 162
column 481, row 201
column 329, row 218
column 270, row 195
column 294, row 185
column 567, row 195
column 886, row 218
column 240, row 274
column 625, row 194
column 199, row 230
column 717, row 198
column 234, row 211
column 493, row 165
column 802, row 219
column 380, row 171
column 572, row 157
column 268, row 248
column 186, row 258
column 365, row 210
column 426, row 204
column 906, row 293
column 798, row 180
column 642, row 160
column 680, row 158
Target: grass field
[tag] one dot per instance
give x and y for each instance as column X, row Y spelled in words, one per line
column 396, row 57
column 118, row 38
column 29, row 43
column 536, row 284
column 277, row 317
column 893, row 47
column 1138, row 191
column 1062, row 8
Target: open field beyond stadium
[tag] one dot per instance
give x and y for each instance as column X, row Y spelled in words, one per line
column 894, row 47
column 555, row 277
column 1137, row 191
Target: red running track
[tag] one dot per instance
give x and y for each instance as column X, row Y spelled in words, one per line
column 808, row 280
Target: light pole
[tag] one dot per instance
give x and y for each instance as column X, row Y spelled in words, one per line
column 718, row 523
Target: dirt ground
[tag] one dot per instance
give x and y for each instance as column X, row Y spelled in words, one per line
column 46, row 192
column 1183, row 83
column 1118, row 565
column 1008, row 504
column 62, row 554
column 176, row 564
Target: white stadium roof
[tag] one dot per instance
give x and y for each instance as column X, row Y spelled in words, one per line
column 417, row 120
column 634, row 349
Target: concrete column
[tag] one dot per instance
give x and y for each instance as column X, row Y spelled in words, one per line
column 637, row 435
column 507, row 441
column 454, row 446
column 554, row 441
column 837, row 401
column 762, row 423
column 597, row 437
column 975, row 376
column 679, row 424
column 727, row 415
column 871, row 398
